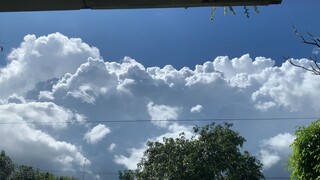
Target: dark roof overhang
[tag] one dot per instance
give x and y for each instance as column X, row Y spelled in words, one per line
column 47, row 5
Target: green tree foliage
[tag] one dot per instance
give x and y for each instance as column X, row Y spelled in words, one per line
column 305, row 159
column 213, row 153
column 225, row 10
column 6, row 166
column 10, row 171
column 26, row 172
column 127, row 175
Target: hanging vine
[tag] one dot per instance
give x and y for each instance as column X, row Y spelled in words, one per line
column 225, row 11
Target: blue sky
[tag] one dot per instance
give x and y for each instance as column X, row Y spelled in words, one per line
column 181, row 37
column 83, row 66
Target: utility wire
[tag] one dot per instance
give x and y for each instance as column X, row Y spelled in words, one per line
column 116, row 173
column 162, row 120
column 158, row 120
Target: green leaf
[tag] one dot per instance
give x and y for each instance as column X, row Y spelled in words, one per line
column 304, row 161
column 256, row 9
column 246, row 11
column 232, row 10
column 212, row 13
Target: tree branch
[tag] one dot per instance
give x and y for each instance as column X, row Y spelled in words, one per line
column 315, row 68
column 315, row 40
column 315, row 71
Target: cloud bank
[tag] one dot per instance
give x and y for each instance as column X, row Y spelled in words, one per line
column 23, row 135
column 41, row 59
column 64, row 84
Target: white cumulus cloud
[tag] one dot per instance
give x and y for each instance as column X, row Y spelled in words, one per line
column 39, row 114
column 275, row 149
column 41, row 59
column 131, row 161
column 280, row 142
column 196, row 109
column 112, row 147
column 96, row 134
column 24, row 140
column 316, row 50
column 268, row 159
column 236, row 85
column 228, row 88
column 160, row 114
column 75, row 85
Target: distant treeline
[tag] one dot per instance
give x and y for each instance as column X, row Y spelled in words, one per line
column 10, row 171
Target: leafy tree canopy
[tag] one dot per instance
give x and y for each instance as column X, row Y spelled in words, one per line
column 26, row 172
column 6, row 165
column 10, row 171
column 212, row 153
column 305, row 159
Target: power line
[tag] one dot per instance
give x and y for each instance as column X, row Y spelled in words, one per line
column 116, row 173
column 77, row 172
column 163, row 120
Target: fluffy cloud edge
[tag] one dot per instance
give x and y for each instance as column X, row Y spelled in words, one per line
column 275, row 149
column 96, row 134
